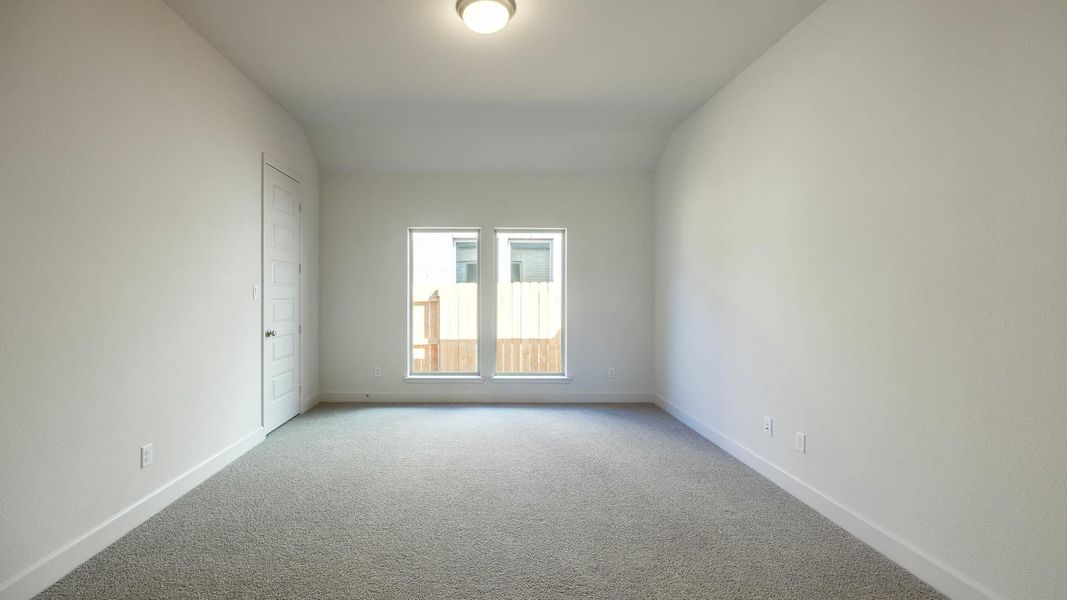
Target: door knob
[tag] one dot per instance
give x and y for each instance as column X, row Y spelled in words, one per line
column 271, row 333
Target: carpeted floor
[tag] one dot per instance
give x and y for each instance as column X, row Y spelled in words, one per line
column 522, row 502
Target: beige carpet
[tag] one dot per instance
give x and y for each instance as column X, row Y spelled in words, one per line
column 446, row 501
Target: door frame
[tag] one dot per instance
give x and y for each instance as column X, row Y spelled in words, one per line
column 268, row 161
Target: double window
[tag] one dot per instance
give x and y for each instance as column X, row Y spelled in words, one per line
column 528, row 297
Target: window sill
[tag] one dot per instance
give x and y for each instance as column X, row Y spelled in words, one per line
column 444, row 379
column 531, row 379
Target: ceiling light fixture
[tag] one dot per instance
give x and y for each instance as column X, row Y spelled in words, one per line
column 485, row 16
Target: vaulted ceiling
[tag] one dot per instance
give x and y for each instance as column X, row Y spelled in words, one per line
column 569, row 85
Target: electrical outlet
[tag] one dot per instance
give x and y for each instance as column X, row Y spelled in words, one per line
column 800, row 442
column 768, row 426
column 377, row 371
column 611, row 372
column 255, row 291
column 147, row 455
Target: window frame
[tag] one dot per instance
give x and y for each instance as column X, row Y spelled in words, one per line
column 442, row 376
column 564, row 375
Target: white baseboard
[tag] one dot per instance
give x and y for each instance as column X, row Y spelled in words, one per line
column 312, row 402
column 450, row 396
column 944, row 578
column 50, row 569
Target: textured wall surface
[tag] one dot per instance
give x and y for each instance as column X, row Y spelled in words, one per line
column 863, row 236
column 130, row 238
column 609, row 248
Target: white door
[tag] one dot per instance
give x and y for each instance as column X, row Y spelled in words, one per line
column 281, row 297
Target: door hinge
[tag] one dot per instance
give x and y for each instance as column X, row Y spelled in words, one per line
column 300, row 329
column 301, row 209
column 300, row 269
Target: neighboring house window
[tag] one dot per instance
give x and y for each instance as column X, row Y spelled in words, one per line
column 531, row 302
column 443, row 301
column 533, row 259
column 466, row 261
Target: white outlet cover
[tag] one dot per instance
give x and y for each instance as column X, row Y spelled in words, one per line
column 147, row 455
column 377, row 371
column 800, row 442
column 768, row 425
column 611, row 372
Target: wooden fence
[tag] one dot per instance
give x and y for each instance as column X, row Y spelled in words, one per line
column 513, row 355
column 539, row 355
column 529, row 317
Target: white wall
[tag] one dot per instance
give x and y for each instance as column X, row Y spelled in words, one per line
column 364, row 235
column 864, row 236
column 130, row 185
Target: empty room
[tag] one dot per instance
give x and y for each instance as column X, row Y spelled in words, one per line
column 533, row 299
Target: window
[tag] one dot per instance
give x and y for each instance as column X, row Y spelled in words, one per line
column 531, row 302
column 443, row 302
column 466, row 261
column 531, row 260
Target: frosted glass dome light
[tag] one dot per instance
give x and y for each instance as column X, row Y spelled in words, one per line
column 485, row 16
